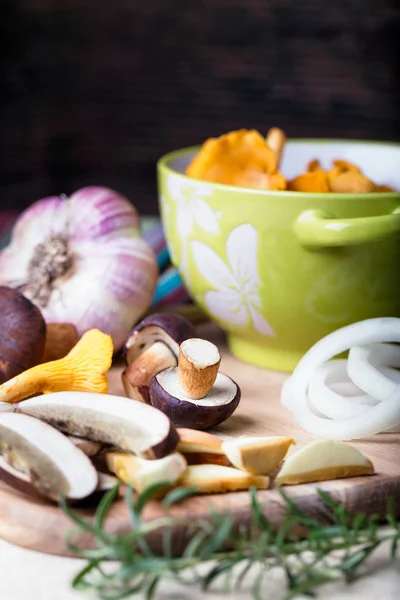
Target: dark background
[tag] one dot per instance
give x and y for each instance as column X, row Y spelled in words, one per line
column 95, row 92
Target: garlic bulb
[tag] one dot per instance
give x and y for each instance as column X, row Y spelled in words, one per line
column 81, row 260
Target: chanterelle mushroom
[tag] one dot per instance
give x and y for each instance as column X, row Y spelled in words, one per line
column 191, row 399
column 153, row 346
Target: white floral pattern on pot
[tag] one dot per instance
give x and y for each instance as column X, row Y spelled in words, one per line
column 236, row 297
column 191, row 207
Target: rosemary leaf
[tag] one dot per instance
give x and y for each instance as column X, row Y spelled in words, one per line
column 330, row 552
column 179, row 494
column 104, row 506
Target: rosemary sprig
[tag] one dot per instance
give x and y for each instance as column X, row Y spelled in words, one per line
column 329, row 552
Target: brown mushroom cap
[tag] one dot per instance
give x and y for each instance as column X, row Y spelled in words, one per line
column 172, row 329
column 22, row 334
column 220, row 402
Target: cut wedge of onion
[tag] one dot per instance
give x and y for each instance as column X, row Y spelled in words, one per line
column 364, row 367
column 381, row 417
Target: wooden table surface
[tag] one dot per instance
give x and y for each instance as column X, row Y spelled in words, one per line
column 37, row 576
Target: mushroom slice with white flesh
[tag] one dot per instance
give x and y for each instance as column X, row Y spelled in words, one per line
column 88, row 447
column 152, row 346
column 209, row 479
column 323, row 460
column 44, row 462
column 129, row 425
column 142, row 474
column 200, row 447
column 257, row 455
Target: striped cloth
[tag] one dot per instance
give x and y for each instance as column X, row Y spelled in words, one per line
column 170, row 289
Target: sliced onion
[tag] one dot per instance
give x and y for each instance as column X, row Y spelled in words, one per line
column 378, row 418
column 334, row 395
column 363, row 368
column 332, row 403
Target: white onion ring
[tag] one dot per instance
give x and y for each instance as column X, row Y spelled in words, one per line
column 363, row 368
column 286, row 393
column 378, row 418
column 334, row 395
column 331, row 403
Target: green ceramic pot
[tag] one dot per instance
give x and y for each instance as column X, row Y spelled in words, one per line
column 280, row 270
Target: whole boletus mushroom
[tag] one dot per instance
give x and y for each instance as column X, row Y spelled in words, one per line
column 194, row 394
column 22, row 334
column 153, row 346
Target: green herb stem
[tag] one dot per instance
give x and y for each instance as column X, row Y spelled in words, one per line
column 328, row 553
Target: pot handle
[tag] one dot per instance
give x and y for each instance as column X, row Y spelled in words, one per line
column 318, row 229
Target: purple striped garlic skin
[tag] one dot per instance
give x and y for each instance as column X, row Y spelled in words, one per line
column 81, row 260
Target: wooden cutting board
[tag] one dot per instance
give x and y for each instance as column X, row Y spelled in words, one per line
column 41, row 526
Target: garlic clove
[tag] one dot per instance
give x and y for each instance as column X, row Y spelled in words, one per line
column 82, row 261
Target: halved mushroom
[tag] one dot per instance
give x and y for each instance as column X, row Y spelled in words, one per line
column 200, row 447
column 40, row 461
column 214, row 408
column 323, row 460
column 124, row 423
column 257, row 455
column 215, row 479
column 137, row 376
column 153, row 346
column 142, row 474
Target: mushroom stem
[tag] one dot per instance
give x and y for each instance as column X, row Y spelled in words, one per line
column 276, row 141
column 138, row 374
column 142, row 474
column 198, row 365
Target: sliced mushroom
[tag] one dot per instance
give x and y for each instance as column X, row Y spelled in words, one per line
column 142, row 474
column 258, row 455
column 124, row 423
column 153, row 346
column 198, row 365
column 323, row 460
column 214, row 408
column 216, row 478
column 44, row 462
column 88, row 447
column 200, row 447
column 137, row 376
